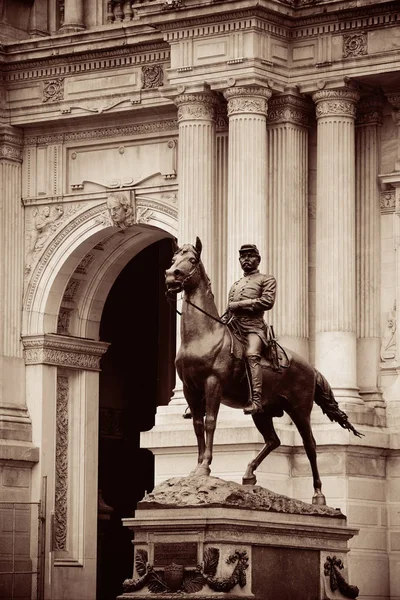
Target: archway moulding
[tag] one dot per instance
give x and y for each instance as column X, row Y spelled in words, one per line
column 65, row 250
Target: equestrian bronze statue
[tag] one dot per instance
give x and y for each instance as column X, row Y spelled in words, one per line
column 211, row 364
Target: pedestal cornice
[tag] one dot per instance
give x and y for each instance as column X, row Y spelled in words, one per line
column 333, row 103
column 62, row 351
column 247, row 100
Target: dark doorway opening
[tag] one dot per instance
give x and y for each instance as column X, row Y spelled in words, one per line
column 137, row 375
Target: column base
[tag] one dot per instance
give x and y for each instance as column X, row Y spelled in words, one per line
column 72, row 28
column 15, row 423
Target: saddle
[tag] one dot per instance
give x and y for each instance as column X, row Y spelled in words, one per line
column 273, row 357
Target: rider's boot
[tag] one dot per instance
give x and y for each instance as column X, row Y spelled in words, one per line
column 255, row 370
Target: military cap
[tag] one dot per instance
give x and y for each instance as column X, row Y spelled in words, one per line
column 249, row 248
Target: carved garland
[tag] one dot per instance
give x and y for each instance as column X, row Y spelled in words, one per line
column 52, row 349
column 175, row 578
column 61, row 478
column 332, row 569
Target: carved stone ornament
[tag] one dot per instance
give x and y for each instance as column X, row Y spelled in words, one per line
column 355, row 44
column 247, row 100
column 288, row 108
column 337, row 582
column 10, row 144
column 388, row 345
column 369, row 111
column 176, row 578
column 61, row 475
column 53, row 349
column 334, row 103
column 53, row 90
column 196, row 106
column 121, row 210
column 388, row 201
column 152, row 76
column 394, row 99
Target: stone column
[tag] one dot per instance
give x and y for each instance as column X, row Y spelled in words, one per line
column 14, row 419
column 336, row 341
column 247, row 174
column 287, row 136
column 368, row 259
column 196, row 171
column 73, row 16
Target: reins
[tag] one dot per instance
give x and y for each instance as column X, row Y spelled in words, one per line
column 217, row 319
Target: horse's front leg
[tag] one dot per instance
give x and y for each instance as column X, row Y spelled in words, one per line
column 196, row 406
column 212, row 396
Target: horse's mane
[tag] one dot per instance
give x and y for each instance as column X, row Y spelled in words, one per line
column 189, row 248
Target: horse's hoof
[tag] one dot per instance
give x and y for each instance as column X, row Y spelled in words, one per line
column 249, row 480
column 203, row 471
column 319, row 499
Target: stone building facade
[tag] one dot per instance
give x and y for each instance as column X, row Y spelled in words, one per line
column 125, row 124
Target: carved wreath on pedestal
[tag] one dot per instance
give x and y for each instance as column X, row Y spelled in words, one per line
column 332, row 568
column 175, row 578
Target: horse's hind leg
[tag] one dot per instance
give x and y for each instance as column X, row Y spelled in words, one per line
column 265, row 426
column 304, row 427
column 196, row 406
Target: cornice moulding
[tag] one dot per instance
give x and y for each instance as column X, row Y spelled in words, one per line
column 63, row 351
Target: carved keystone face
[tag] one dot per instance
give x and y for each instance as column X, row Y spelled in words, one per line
column 117, row 210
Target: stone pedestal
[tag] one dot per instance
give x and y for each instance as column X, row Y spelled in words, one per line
column 208, row 538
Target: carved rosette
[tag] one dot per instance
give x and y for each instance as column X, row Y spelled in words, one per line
column 196, row 107
column 355, row 44
column 336, row 103
column 10, row 144
column 152, row 76
column 288, row 108
column 369, row 111
column 57, row 350
column 247, row 100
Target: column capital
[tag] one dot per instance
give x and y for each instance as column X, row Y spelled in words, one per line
column 369, row 110
column 289, row 107
column 11, row 141
column 196, row 106
column 252, row 99
column 63, row 351
column 333, row 103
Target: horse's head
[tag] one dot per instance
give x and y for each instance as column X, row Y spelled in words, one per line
column 184, row 271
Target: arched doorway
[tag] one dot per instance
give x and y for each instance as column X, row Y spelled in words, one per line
column 136, row 376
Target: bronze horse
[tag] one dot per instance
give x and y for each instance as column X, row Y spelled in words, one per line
column 212, row 373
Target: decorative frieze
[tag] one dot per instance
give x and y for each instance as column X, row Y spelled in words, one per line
column 58, row 350
column 154, row 127
column 355, row 44
column 61, row 466
column 340, row 102
column 53, row 90
column 152, row 76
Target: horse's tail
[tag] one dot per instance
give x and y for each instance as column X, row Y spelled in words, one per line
column 326, row 401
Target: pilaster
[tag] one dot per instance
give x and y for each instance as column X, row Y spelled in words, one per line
column 368, row 123
column 336, row 342
column 287, row 138
column 14, row 419
column 73, row 16
column 247, row 174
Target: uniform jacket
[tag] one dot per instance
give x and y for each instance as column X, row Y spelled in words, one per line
column 255, row 294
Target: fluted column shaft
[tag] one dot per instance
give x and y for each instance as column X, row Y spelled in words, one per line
column 196, row 165
column 14, row 422
column 336, row 345
column 369, row 120
column 247, row 174
column 73, row 16
column 287, row 137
